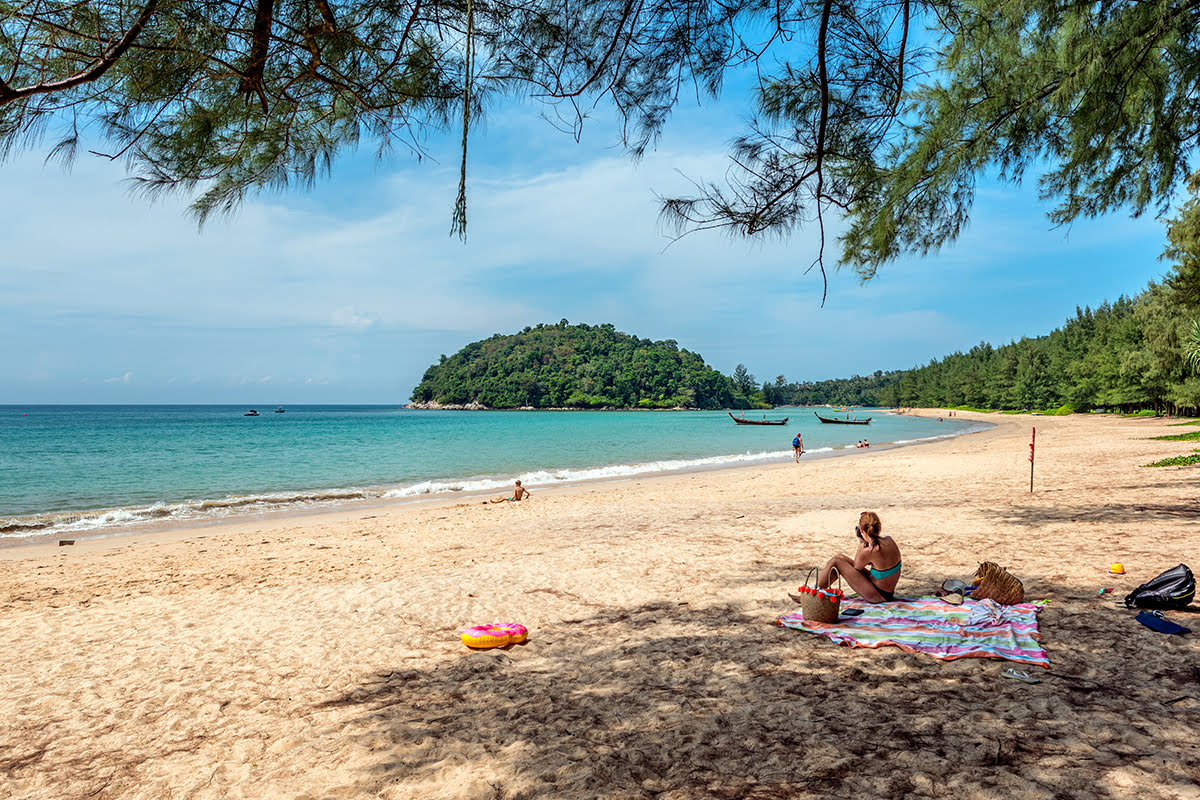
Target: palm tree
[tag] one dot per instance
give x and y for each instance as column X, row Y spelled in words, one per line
column 1192, row 352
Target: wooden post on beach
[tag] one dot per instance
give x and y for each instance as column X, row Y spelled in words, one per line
column 1032, row 438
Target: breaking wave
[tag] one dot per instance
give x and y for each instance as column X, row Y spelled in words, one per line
column 101, row 520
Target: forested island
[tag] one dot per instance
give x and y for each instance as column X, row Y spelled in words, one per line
column 580, row 366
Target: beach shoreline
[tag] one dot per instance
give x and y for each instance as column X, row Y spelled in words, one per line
column 379, row 498
column 319, row 656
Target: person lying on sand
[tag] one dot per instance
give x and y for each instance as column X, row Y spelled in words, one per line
column 875, row 569
column 519, row 493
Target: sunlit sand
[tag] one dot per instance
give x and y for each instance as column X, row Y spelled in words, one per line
column 319, row 656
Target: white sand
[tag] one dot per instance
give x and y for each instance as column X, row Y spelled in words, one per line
column 318, row 657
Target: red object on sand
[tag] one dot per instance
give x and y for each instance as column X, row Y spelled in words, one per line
column 1032, row 438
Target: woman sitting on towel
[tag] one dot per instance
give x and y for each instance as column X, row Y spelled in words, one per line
column 875, row 569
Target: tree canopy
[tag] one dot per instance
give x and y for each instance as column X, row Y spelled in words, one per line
column 1129, row 354
column 579, row 366
column 886, row 112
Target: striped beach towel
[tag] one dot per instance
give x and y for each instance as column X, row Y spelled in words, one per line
column 976, row 629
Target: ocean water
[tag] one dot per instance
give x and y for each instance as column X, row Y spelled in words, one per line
column 98, row 469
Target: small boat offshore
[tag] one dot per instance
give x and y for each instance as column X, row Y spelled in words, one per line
column 763, row 421
column 836, row 421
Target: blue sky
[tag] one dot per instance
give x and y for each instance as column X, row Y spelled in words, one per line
column 347, row 293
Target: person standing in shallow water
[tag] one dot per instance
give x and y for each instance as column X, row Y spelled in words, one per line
column 875, row 569
column 797, row 446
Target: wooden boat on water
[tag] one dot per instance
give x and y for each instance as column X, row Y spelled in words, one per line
column 744, row 421
column 835, row 421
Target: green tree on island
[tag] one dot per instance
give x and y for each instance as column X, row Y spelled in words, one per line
column 579, row 366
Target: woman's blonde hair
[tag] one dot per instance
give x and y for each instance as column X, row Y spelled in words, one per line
column 870, row 525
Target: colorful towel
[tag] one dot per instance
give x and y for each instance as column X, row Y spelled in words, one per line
column 976, row 629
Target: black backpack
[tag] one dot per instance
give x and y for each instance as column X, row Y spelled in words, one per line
column 1175, row 588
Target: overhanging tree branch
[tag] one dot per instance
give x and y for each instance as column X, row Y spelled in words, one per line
column 256, row 64
column 102, row 63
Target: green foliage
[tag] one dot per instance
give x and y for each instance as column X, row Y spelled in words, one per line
column 1177, row 461
column 579, row 366
column 1179, row 437
column 221, row 98
column 1064, row 410
column 1183, row 249
column 882, row 112
column 1192, row 353
column 1097, row 100
column 1096, row 96
column 1128, row 355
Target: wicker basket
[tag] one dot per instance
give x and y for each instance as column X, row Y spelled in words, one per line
column 816, row 607
column 993, row 582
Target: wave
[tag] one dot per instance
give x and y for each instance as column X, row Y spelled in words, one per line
column 100, row 520
column 563, row 476
column 110, row 521
column 94, row 520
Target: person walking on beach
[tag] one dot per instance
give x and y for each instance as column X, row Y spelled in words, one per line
column 797, row 446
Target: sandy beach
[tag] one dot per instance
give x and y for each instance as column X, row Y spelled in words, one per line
column 319, row 656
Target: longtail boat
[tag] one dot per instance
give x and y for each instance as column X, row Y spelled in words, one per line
column 742, row 421
column 835, row 421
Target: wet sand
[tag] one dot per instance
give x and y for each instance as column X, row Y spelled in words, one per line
column 318, row 656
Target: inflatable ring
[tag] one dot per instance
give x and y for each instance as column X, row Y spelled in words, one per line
column 485, row 636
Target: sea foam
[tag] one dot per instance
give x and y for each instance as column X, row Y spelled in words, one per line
column 218, row 508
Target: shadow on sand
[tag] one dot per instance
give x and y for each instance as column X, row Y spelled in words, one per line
column 673, row 701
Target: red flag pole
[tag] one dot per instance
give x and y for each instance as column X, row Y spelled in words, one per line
column 1032, row 438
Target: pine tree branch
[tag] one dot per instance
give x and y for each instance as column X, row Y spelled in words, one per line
column 616, row 39
column 822, row 67
column 256, row 65
column 105, row 60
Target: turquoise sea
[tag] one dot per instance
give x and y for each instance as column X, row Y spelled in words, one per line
column 95, row 470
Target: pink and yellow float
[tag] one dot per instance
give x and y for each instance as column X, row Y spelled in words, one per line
column 485, row 636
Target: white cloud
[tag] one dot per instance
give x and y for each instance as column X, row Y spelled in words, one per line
column 348, row 317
